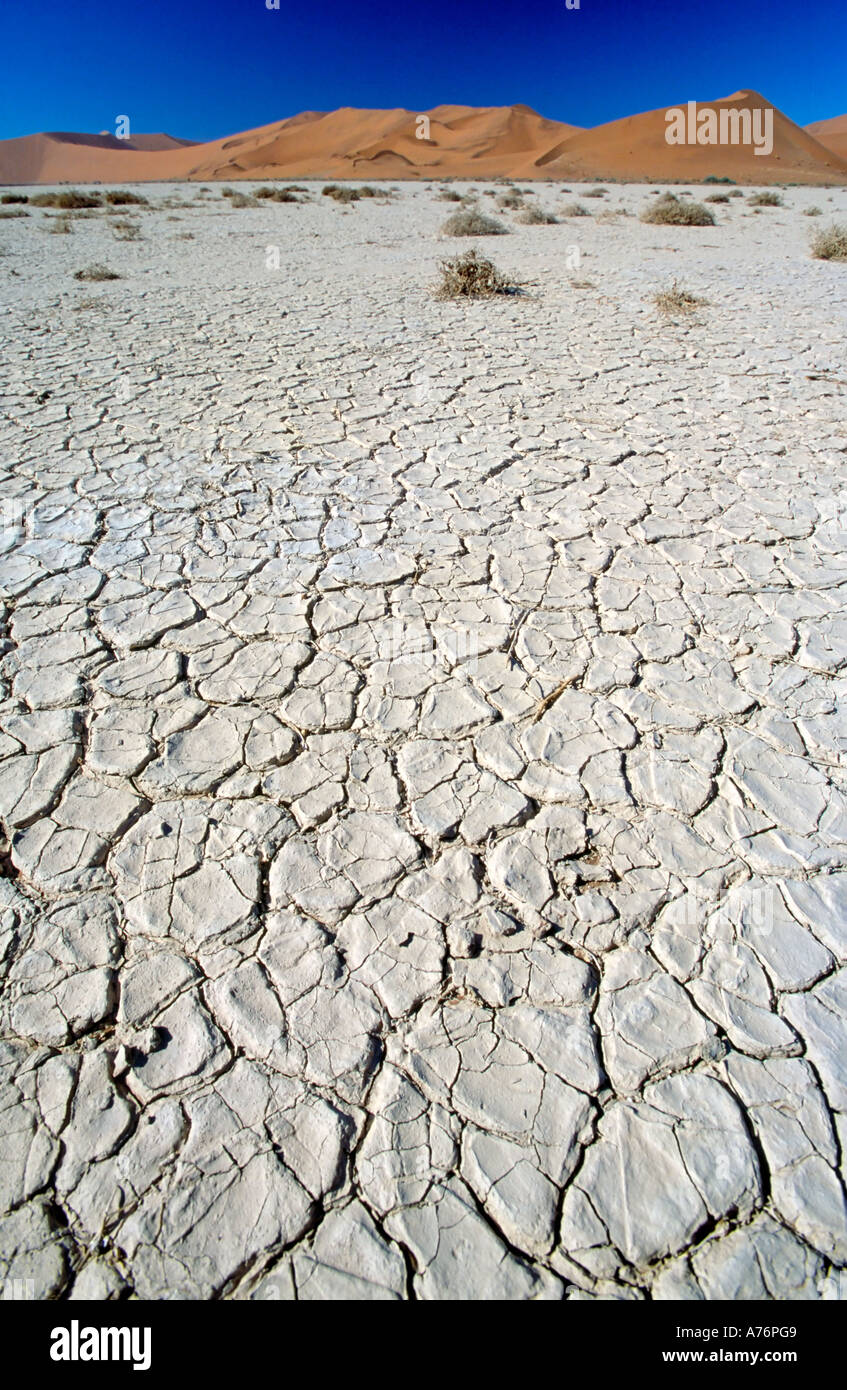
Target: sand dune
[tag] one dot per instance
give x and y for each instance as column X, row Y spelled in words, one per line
column 832, row 134
column 461, row 142
column 636, row 147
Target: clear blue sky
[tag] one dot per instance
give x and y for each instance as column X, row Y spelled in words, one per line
column 207, row 68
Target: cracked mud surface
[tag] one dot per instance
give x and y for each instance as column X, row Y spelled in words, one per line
column 421, row 761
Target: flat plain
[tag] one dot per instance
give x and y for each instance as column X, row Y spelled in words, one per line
column 420, row 752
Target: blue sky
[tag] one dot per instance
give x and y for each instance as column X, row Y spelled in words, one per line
column 203, row 70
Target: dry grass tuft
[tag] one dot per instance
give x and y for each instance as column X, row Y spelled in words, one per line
column 668, row 210
column 575, row 210
column 125, row 230
column 676, row 301
column 277, row 195
column 70, row 199
column 595, row 193
column 536, row 217
column 472, row 224
column 472, row 276
column 718, row 198
column 14, row 198
column 121, row 197
column 96, row 273
column 813, row 212
column 510, row 201
column 766, row 200
column 830, row 243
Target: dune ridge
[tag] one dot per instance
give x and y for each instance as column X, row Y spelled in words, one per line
column 458, row 142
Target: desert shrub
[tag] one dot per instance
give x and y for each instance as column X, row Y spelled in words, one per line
column 14, row 198
column 471, row 276
column 812, row 212
column 575, row 210
column 242, row 200
column 595, row 193
column 510, row 201
column 96, row 273
column 713, row 178
column 676, row 300
column 120, row 197
column 536, row 217
column 472, row 224
column 737, row 193
column 718, row 198
column 341, row 193
column 366, row 191
column 69, row 199
column 126, row 231
column 449, row 195
column 668, row 210
column 277, row 195
column 8, row 213
column 766, row 200
column 830, row 243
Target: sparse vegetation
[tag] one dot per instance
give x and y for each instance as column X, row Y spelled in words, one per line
column 713, row 178
column 449, row 195
column 472, row 276
column 242, row 200
column 472, row 224
column 277, row 195
column 595, row 193
column 813, row 212
column 668, row 210
column 830, row 243
column 8, row 213
column 536, row 217
column 14, row 198
column 69, row 199
column 766, row 200
column 676, row 301
column 737, row 193
column 510, row 201
column 120, row 197
column 575, row 210
column 718, row 198
column 125, row 230
column 96, row 273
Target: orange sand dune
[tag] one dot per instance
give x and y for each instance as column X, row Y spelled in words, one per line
column 832, row 134
column 636, row 148
column 461, row 142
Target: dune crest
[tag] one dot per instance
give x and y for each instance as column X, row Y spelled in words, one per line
column 454, row 141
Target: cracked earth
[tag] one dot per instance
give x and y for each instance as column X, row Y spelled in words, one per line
column 421, row 763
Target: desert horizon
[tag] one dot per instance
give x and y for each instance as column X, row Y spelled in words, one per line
column 461, row 142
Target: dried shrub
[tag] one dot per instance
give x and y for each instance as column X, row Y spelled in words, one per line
column 472, row 224
column 472, row 276
column 68, row 199
column 120, row 197
column 277, row 195
column 14, row 198
column 813, row 212
column 718, row 198
column 96, row 273
column 766, row 200
column 830, row 243
column 536, row 217
column 595, row 192
column 510, row 201
column 676, row 301
column 242, row 200
column 449, row 195
column 126, row 231
column 668, row 210
column 575, row 210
